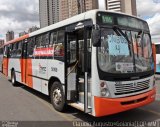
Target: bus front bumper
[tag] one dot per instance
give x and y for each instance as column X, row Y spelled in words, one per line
column 107, row 106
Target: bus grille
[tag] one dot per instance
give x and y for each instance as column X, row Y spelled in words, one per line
column 131, row 88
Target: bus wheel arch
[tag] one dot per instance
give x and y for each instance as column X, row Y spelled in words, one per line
column 50, row 83
column 57, row 95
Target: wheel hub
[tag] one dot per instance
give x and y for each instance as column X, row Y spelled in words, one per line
column 57, row 96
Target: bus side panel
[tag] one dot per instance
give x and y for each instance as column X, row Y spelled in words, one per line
column 5, row 66
column 15, row 64
column 29, row 79
column 56, row 69
column 39, row 74
column 38, row 69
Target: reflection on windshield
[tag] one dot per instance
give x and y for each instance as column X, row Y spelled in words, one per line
column 124, row 51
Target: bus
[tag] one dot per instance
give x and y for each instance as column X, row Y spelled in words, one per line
column 99, row 62
column 1, row 57
column 157, row 45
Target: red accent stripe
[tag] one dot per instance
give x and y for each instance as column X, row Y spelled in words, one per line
column 29, row 79
column 44, row 52
column 17, row 39
column 5, row 66
column 107, row 106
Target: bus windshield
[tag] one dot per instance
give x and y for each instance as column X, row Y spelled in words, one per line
column 125, row 51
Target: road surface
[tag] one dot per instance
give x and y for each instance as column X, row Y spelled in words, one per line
column 29, row 107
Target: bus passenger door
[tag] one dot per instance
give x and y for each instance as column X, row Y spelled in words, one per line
column 78, row 69
column 71, row 67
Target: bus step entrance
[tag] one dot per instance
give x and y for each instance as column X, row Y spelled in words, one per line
column 84, row 94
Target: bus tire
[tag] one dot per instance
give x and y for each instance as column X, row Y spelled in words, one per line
column 13, row 78
column 57, row 96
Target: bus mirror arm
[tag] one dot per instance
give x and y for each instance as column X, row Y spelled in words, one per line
column 96, row 38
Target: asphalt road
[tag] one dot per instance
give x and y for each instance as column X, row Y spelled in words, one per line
column 31, row 108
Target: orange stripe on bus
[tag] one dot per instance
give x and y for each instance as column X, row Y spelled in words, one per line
column 29, row 79
column 108, row 106
column 23, row 70
column 5, row 66
column 17, row 39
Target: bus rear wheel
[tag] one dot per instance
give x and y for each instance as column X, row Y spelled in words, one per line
column 57, row 96
column 13, row 78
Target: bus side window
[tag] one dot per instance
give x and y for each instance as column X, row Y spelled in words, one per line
column 5, row 51
column 13, row 50
column 45, row 40
column 19, row 49
column 53, row 39
column 38, row 41
column 9, row 50
column 30, row 47
column 59, row 44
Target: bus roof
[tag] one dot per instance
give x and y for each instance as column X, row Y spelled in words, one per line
column 156, row 43
column 83, row 16
column 17, row 39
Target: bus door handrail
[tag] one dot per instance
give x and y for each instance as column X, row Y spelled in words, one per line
column 73, row 67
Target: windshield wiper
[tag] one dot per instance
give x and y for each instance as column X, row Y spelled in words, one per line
column 120, row 32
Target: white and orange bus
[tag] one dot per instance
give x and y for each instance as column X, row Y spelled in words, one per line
column 99, row 62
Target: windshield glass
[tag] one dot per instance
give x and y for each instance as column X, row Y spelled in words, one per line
column 124, row 51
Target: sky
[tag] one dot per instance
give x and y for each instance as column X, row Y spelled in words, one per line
column 150, row 11
column 19, row 15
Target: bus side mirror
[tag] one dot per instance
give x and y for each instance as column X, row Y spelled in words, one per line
column 96, row 38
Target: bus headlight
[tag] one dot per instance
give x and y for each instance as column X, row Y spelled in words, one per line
column 103, row 89
column 104, row 92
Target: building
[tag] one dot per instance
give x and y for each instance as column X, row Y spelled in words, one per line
column 49, row 12
column 52, row 11
column 43, row 13
column 9, row 36
column 22, row 33
column 125, row 6
column 1, row 42
column 69, row 8
column 32, row 29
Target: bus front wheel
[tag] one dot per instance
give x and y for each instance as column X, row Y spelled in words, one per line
column 57, row 96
